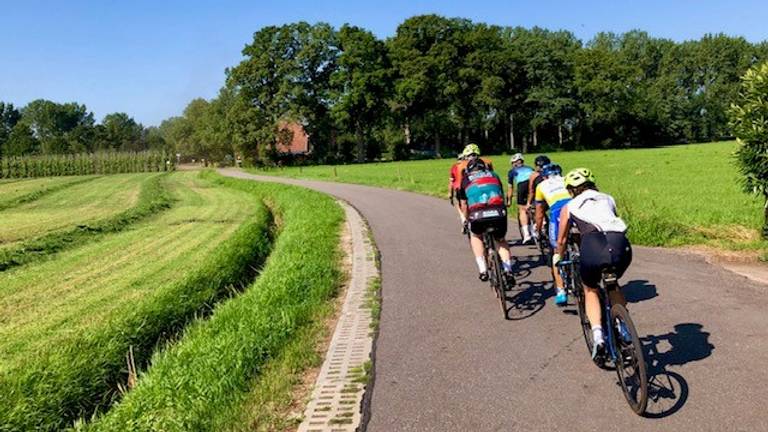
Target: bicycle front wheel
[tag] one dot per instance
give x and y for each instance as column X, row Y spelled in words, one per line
column 630, row 364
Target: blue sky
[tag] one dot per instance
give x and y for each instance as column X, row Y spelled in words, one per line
column 150, row 58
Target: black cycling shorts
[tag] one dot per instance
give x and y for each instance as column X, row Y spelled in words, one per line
column 599, row 250
column 499, row 224
column 522, row 193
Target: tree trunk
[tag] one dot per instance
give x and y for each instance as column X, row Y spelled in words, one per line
column 525, row 144
column 560, row 134
column 511, row 131
column 360, row 145
column 535, row 137
column 407, row 133
column 437, row 145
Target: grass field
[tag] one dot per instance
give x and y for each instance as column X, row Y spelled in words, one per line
column 16, row 192
column 670, row 196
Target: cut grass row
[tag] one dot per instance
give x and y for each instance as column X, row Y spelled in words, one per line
column 69, row 322
column 15, row 193
column 77, row 215
column 671, row 196
column 207, row 379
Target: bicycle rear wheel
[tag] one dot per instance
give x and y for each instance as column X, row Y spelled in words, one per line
column 630, row 364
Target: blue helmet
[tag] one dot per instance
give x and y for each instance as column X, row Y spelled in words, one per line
column 551, row 169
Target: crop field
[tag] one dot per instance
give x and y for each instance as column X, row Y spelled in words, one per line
column 670, row 196
column 184, row 277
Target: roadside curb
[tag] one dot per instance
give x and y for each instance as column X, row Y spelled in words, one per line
column 338, row 400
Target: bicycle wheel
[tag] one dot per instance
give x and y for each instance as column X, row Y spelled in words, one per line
column 630, row 365
column 586, row 327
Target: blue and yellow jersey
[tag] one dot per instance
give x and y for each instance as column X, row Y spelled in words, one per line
column 553, row 192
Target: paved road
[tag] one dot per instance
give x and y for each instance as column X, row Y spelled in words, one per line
column 446, row 360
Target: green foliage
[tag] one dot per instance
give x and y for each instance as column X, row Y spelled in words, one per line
column 202, row 382
column 749, row 119
column 85, row 163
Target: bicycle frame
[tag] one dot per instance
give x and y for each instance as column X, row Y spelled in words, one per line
column 608, row 279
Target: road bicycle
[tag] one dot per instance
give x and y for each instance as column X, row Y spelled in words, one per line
column 625, row 352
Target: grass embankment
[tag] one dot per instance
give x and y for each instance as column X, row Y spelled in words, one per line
column 207, row 380
column 69, row 322
column 670, row 196
column 14, row 193
column 77, row 214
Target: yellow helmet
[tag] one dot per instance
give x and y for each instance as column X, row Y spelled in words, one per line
column 579, row 176
column 471, row 149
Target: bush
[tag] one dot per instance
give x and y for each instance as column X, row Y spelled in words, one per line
column 749, row 120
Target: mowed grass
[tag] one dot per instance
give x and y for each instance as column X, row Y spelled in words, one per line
column 670, row 196
column 209, row 379
column 79, row 204
column 15, row 192
column 67, row 323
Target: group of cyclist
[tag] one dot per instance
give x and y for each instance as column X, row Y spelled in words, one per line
column 567, row 201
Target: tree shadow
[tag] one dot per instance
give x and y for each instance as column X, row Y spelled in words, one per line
column 636, row 291
column 667, row 390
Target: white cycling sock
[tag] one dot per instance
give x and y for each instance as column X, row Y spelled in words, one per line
column 526, row 232
column 481, row 264
column 597, row 335
column 507, row 265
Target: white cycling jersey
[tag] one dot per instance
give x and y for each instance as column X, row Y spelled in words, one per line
column 595, row 211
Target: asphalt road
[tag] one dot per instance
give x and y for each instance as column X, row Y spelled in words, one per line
column 447, row 360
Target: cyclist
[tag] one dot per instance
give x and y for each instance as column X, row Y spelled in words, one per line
column 535, row 179
column 517, row 180
column 551, row 191
column 454, row 183
column 482, row 196
column 603, row 244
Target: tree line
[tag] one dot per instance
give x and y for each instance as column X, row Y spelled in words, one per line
column 440, row 83
column 434, row 86
column 43, row 127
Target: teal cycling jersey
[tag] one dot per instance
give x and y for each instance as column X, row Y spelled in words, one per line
column 519, row 174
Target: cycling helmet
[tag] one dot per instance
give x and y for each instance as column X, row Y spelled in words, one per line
column 542, row 160
column 578, row 177
column 551, row 169
column 471, row 149
column 516, row 157
column 476, row 164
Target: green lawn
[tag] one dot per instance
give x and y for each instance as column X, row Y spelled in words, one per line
column 671, row 196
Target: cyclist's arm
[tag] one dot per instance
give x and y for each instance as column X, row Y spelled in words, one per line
column 562, row 235
column 530, row 187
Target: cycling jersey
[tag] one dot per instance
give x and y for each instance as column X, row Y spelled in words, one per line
column 519, row 174
column 595, row 211
column 482, row 190
column 457, row 173
column 553, row 192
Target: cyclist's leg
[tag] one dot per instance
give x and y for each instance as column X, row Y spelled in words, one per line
column 619, row 253
column 553, row 228
column 476, row 229
column 500, row 226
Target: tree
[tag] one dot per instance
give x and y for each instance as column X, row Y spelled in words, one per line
column 361, row 85
column 60, row 128
column 21, row 141
column 9, row 116
column 749, row 120
column 120, row 132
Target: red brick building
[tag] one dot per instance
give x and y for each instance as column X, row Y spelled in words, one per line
column 300, row 142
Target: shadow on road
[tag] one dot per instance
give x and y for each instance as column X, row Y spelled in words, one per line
column 636, row 291
column 527, row 299
column 667, row 390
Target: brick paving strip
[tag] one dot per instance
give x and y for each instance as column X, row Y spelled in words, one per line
column 336, row 403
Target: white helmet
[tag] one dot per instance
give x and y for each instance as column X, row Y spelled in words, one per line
column 516, row 157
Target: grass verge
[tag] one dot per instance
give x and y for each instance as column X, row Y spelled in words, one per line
column 78, row 368
column 204, row 381
column 153, row 198
column 670, row 196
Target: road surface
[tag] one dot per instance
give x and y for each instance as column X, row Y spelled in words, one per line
column 447, row 360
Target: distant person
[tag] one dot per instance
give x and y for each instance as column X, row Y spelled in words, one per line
column 603, row 243
column 517, row 185
column 551, row 191
column 457, row 173
column 482, row 196
column 454, row 184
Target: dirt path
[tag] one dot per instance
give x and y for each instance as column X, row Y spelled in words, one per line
column 447, row 360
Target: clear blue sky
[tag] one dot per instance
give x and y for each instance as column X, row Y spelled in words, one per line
column 150, row 58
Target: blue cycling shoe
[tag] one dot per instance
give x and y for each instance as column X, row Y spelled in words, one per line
column 561, row 299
